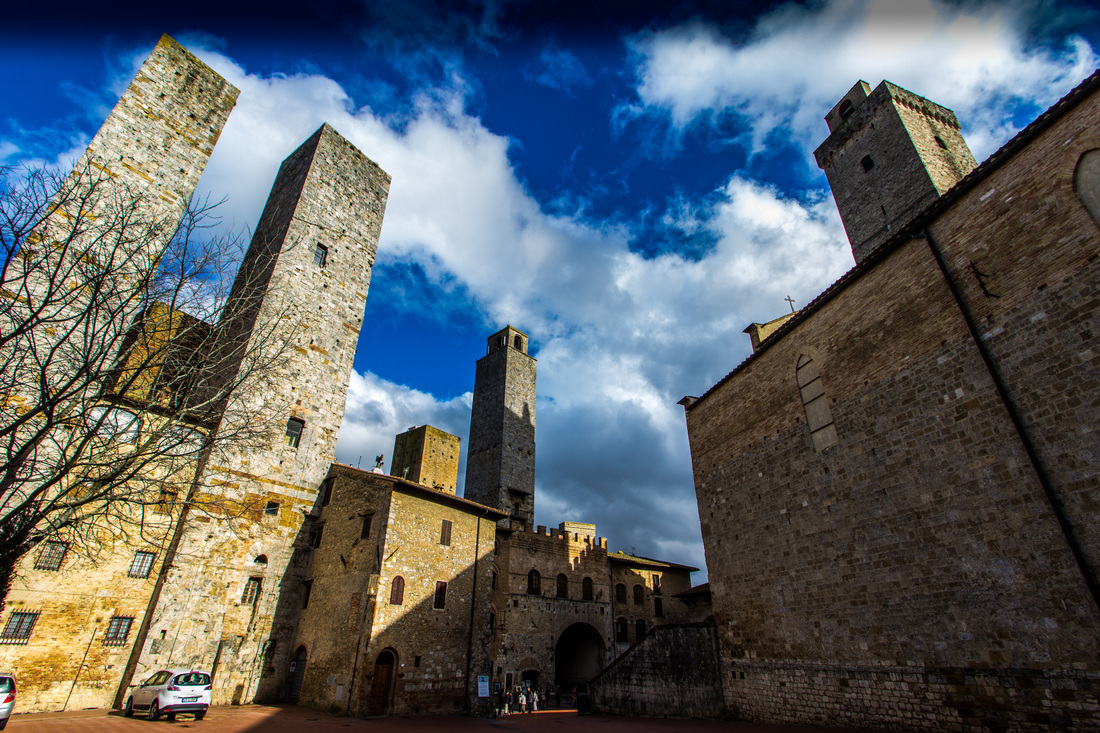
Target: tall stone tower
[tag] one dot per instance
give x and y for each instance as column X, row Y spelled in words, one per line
column 295, row 310
column 500, row 463
column 890, row 153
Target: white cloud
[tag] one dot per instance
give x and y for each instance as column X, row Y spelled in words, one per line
column 971, row 57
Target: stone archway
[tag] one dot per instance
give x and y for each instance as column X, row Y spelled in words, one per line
column 578, row 657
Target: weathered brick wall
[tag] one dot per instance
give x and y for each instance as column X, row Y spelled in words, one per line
column 304, row 316
column 500, row 462
column 674, row 672
column 152, row 148
column 672, row 580
column 914, row 575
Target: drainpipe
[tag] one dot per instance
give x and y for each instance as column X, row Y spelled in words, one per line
column 1033, row 454
column 466, row 708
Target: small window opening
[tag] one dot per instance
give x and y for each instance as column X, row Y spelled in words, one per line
column 260, row 560
column 307, row 588
column 294, row 428
column 868, row 163
column 320, row 255
column 397, row 591
column 586, row 589
column 271, row 509
column 365, row 533
column 445, row 533
column 416, row 661
column 658, row 608
column 251, row 593
column 940, row 142
column 518, row 343
column 326, row 492
column 534, row 583
column 315, row 536
column 846, row 109
column 440, row 594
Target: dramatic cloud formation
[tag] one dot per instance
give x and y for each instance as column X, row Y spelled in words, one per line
column 971, row 57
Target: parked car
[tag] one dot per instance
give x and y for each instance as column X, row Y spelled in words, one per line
column 7, row 698
column 171, row 691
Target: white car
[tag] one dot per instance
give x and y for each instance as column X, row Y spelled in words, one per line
column 171, row 691
column 7, row 698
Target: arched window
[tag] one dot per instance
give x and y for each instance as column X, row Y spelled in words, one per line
column 260, row 560
column 493, row 586
column 534, row 583
column 1086, row 181
column 819, row 417
column 563, row 586
column 639, row 630
column 620, row 593
column 586, row 589
column 639, row 595
column 846, row 109
column 621, row 629
column 397, row 591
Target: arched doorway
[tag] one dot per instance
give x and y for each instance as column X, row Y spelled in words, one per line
column 297, row 674
column 381, row 689
column 578, row 657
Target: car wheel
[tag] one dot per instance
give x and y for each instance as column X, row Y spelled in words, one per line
column 129, row 711
column 154, row 710
column 200, row 716
column 3, row 723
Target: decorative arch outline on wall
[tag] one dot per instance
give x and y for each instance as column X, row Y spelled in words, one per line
column 819, row 418
column 1086, row 182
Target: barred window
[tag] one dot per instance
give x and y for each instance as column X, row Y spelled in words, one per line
column 440, row 594
column 251, row 591
column 19, row 627
column 141, row 564
column 294, row 428
column 118, row 630
column 51, row 556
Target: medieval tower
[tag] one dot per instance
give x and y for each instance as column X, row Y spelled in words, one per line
column 889, row 154
column 500, row 462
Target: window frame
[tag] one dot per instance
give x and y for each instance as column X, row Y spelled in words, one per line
column 439, row 602
column 118, row 630
column 253, row 587
column 445, row 529
column 52, row 555
column 397, row 591
column 143, row 559
column 19, row 627
column 294, row 436
column 534, row 583
column 321, row 261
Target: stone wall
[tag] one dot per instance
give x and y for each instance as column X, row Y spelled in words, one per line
column 674, row 672
column 915, row 574
column 427, row 456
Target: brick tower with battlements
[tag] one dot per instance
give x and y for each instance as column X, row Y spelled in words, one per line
column 889, row 154
column 500, row 464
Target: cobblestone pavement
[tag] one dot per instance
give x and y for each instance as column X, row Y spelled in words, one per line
column 278, row 718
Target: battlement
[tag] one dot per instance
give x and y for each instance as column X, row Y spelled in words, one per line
column 572, row 532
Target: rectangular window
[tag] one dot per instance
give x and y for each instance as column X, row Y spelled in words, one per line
column 251, row 591
column 118, row 630
column 141, row 564
column 294, row 428
column 445, row 533
column 656, row 584
column 320, row 255
column 272, row 509
column 306, row 590
column 315, row 535
column 440, row 594
column 658, row 607
column 51, row 555
column 366, row 527
column 19, row 627
column 416, row 661
column 326, row 492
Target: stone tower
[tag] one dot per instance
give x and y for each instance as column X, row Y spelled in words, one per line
column 296, row 305
column 500, row 463
column 889, row 154
column 427, row 456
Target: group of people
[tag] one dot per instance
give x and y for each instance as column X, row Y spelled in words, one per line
column 519, row 700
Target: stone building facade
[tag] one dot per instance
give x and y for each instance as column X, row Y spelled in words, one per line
column 897, row 489
column 290, row 577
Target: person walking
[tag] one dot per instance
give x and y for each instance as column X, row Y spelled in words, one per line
column 507, row 702
column 522, row 702
column 534, row 700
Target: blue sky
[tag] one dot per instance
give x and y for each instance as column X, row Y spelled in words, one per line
column 629, row 183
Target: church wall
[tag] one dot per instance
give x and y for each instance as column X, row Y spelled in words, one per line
column 913, row 573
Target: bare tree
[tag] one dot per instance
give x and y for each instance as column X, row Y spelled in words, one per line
column 116, row 381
